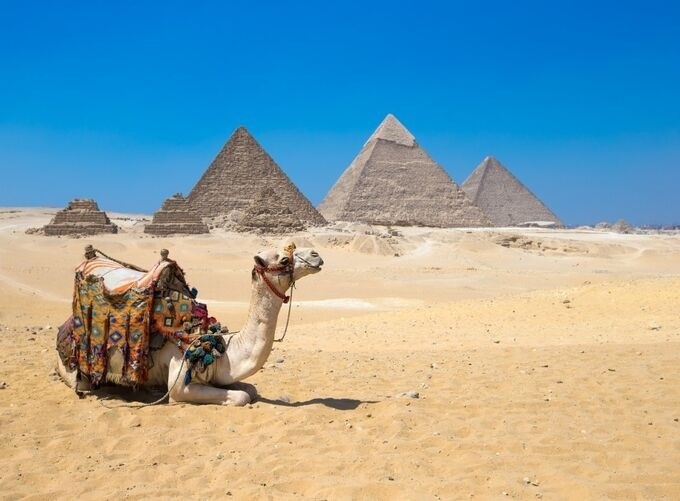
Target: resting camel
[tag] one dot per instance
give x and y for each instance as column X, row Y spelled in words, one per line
column 246, row 352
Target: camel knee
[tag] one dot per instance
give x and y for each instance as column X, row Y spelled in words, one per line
column 237, row 398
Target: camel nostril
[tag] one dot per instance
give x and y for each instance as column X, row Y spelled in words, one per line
column 320, row 261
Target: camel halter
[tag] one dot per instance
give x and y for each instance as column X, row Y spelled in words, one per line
column 280, row 270
column 287, row 269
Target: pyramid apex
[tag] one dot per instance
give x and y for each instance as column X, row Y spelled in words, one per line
column 391, row 129
column 241, row 129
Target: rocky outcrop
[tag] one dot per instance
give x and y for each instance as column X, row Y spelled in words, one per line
column 176, row 217
column 241, row 170
column 503, row 198
column 80, row 217
column 393, row 181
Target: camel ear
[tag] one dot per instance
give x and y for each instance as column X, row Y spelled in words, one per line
column 259, row 261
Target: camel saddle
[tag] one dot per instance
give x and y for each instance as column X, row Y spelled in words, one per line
column 134, row 312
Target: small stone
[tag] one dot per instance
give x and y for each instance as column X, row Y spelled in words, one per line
column 409, row 394
column 497, row 341
column 3, row 385
column 390, row 478
column 48, row 327
column 653, row 326
column 284, row 398
column 279, row 360
column 526, row 480
column 220, row 456
column 566, row 301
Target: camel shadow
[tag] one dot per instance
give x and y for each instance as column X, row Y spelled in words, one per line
column 340, row 404
column 125, row 394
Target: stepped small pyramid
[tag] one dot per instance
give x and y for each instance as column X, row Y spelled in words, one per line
column 503, row 198
column 176, row 217
column 80, row 217
column 269, row 214
column 394, row 181
column 238, row 174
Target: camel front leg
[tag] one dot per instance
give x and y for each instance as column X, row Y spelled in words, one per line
column 196, row 393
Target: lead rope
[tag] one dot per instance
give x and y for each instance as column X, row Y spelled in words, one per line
column 167, row 394
column 150, row 404
column 290, row 305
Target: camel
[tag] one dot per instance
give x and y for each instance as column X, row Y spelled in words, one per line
column 247, row 351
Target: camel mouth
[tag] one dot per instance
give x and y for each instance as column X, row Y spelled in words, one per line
column 315, row 269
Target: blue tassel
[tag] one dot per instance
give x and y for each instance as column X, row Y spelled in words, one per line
column 187, row 377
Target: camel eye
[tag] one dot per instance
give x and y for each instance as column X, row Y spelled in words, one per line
column 314, row 254
column 284, row 260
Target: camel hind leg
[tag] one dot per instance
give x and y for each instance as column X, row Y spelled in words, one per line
column 71, row 377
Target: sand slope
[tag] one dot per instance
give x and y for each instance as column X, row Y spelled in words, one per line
column 558, row 363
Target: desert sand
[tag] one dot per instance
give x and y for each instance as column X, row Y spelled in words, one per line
column 546, row 364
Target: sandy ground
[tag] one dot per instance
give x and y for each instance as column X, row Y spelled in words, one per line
column 546, row 364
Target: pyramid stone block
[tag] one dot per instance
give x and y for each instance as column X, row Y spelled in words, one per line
column 503, row 197
column 176, row 217
column 393, row 181
column 241, row 170
column 268, row 214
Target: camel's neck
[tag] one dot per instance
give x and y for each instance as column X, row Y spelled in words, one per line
column 248, row 350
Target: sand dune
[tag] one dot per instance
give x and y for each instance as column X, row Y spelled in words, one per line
column 546, row 370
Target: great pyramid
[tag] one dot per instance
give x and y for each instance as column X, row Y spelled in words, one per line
column 241, row 170
column 176, row 217
column 80, row 217
column 394, row 181
column 268, row 214
column 503, row 198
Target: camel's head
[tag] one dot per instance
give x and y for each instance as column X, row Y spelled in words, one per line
column 282, row 267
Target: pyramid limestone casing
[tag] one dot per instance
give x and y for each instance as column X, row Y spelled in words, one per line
column 503, row 198
column 238, row 174
column 80, row 217
column 393, row 181
column 176, row 217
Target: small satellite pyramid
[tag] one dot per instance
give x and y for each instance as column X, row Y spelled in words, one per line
column 503, row 198
column 176, row 217
column 394, row 181
column 268, row 214
column 81, row 217
column 241, row 170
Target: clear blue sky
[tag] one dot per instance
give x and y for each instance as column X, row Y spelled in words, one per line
column 128, row 102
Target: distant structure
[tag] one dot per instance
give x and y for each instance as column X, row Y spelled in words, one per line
column 237, row 176
column 80, row 217
column 176, row 217
column 503, row 198
column 393, row 181
column 268, row 214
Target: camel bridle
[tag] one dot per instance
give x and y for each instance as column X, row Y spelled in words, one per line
column 287, row 269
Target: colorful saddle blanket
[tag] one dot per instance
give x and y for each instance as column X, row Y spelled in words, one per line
column 121, row 321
